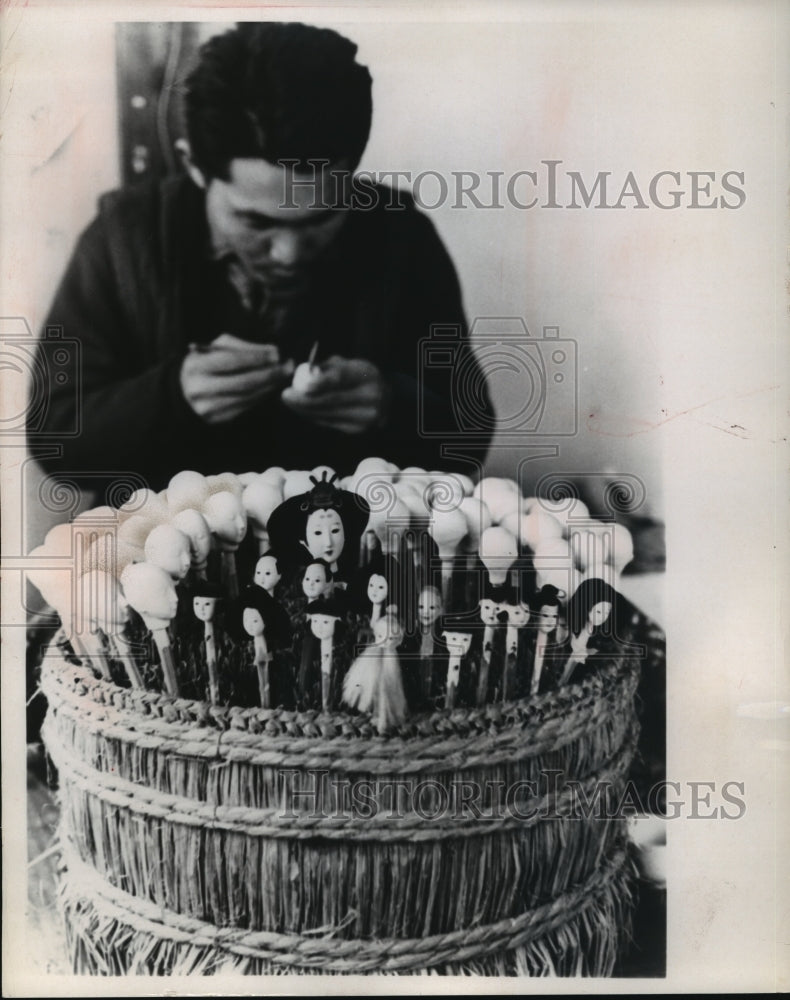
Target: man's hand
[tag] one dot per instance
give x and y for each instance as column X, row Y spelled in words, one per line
column 349, row 395
column 223, row 379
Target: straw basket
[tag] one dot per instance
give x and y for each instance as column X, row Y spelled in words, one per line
column 205, row 840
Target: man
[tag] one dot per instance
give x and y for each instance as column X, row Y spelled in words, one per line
column 194, row 298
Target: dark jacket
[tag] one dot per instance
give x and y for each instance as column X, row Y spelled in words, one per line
column 141, row 286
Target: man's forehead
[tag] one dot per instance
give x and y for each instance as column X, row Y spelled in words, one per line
column 259, row 187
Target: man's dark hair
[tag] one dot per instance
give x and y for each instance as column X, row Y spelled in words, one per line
column 277, row 91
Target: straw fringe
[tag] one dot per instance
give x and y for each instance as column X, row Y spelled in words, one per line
column 580, row 933
column 198, row 839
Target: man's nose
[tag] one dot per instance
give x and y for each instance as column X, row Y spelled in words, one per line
column 287, row 247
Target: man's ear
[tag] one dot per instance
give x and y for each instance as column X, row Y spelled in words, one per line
column 185, row 155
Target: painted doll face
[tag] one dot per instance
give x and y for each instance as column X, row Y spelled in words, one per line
column 599, row 613
column 324, row 535
column 252, row 621
column 204, row 608
column 266, row 573
column 517, row 614
column 323, row 626
column 457, row 642
column 377, row 589
column 488, row 611
column 548, row 617
column 429, row 606
column 314, row 581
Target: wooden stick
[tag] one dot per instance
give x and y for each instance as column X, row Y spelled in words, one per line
column 229, row 576
column 262, row 660
column 162, row 640
column 211, row 662
column 453, row 674
column 426, row 663
column 127, row 660
column 326, row 673
column 485, row 665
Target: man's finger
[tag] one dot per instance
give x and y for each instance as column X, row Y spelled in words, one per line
column 331, row 401
column 228, row 358
column 240, row 385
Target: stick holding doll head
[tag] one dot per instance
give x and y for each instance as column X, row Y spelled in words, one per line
column 545, row 608
column 374, row 683
column 266, row 622
column 458, row 638
column 196, row 528
column 152, row 594
column 516, row 615
column 108, row 615
column 323, row 616
column 589, row 618
column 490, row 607
column 429, row 610
column 204, row 605
column 260, row 499
column 226, row 518
column 447, row 528
column 267, row 573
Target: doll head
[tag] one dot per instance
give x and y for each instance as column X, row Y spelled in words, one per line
column 252, row 622
column 325, row 523
column 324, row 535
column 492, row 603
column 545, row 608
column 104, row 602
column 196, row 528
column 267, row 572
column 204, row 601
column 592, row 604
column 458, row 643
column 323, row 614
column 226, row 518
column 169, row 548
column 151, row 592
column 429, row 606
column 517, row 614
column 378, row 588
column 262, row 615
column 316, row 580
column 187, row 490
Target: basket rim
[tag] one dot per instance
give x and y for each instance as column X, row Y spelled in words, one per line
column 200, row 728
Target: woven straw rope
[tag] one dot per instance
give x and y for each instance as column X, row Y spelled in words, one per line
column 313, row 724
column 383, row 827
column 347, row 955
column 379, row 755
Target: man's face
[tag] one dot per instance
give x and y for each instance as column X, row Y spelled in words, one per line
column 274, row 222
